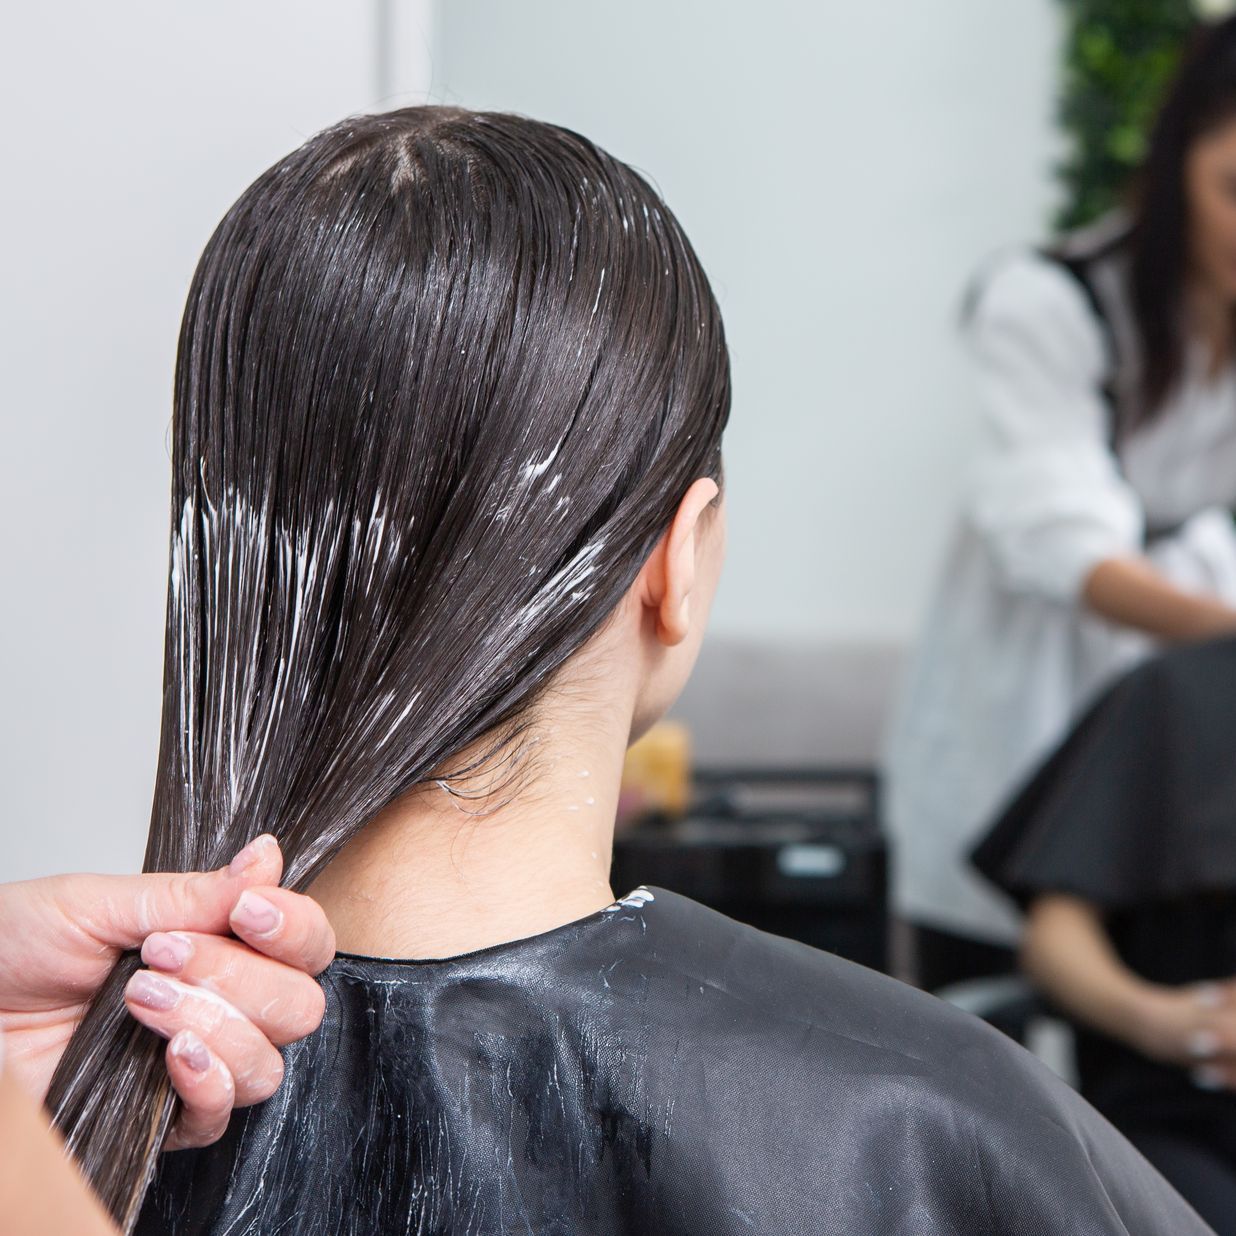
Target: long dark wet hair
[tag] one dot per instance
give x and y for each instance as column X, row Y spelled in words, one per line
column 1202, row 98
column 443, row 380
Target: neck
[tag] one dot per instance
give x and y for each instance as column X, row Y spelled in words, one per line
column 427, row 879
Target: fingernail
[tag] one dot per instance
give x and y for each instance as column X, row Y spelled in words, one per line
column 250, row 854
column 188, row 1047
column 1208, row 1077
column 1203, row 1043
column 167, row 950
column 152, row 992
column 256, row 914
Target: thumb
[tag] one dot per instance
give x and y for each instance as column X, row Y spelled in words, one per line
column 123, row 910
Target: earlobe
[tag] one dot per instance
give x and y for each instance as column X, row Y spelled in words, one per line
column 675, row 630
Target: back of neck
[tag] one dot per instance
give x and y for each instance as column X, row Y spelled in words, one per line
column 427, row 880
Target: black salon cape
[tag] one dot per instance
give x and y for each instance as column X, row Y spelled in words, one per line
column 657, row 1068
column 1136, row 813
column 1138, row 804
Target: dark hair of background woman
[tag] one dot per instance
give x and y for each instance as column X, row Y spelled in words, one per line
column 1201, row 98
column 443, row 379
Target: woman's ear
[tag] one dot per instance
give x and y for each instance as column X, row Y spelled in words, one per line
column 669, row 574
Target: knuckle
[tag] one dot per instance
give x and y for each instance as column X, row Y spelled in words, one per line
column 204, row 1120
column 319, row 938
column 312, row 1009
column 203, row 1135
column 210, row 1017
column 323, row 951
column 269, row 1079
column 185, row 886
column 229, row 961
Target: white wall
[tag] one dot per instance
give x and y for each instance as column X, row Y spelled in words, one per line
column 130, row 127
column 840, row 168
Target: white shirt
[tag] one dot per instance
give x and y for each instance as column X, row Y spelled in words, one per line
column 1009, row 655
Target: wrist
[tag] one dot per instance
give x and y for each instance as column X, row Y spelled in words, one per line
column 1157, row 1021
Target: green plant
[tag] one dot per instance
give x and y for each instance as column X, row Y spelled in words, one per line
column 1119, row 58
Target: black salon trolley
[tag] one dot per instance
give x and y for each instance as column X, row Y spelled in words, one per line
column 797, row 852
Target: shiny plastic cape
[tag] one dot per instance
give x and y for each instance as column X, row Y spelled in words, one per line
column 657, row 1068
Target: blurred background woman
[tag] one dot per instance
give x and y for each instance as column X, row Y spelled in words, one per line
column 1098, row 522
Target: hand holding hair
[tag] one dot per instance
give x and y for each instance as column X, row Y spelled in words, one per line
column 231, row 958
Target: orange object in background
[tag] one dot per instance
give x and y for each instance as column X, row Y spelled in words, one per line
column 656, row 777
